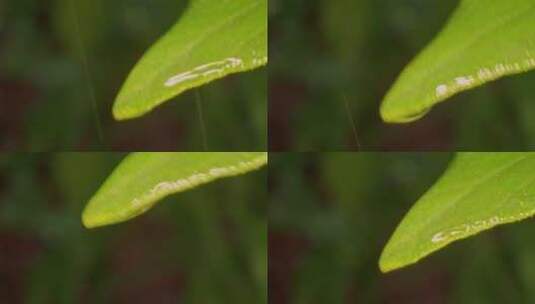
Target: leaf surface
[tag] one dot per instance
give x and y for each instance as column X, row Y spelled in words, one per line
column 213, row 38
column 142, row 179
column 477, row 192
column 483, row 41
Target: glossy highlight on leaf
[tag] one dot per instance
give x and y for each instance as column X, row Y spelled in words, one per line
column 211, row 40
column 477, row 192
column 142, row 179
column 483, row 41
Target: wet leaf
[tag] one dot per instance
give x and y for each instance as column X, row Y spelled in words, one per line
column 483, row 41
column 142, row 179
column 211, row 40
column 477, row 192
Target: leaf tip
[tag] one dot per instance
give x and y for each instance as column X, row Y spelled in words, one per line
column 384, row 268
column 120, row 113
column 386, row 263
column 92, row 218
column 88, row 220
column 386, row 114
column 392, row 114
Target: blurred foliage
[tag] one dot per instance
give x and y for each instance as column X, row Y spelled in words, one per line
column 208, row 245
column 333, row 61
column 331, row 214
column 62, row 63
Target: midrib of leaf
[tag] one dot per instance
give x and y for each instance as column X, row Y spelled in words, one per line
column 454, row 53
column 432, row 218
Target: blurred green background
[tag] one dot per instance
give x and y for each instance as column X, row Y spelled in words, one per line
column 331, row 214
column 208, row 245
column 332, row 61
column 62, row 63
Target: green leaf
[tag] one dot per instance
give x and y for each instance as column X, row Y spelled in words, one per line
column 483, row 41
column 142, row 179
column 212, row 39
column 477, row 192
